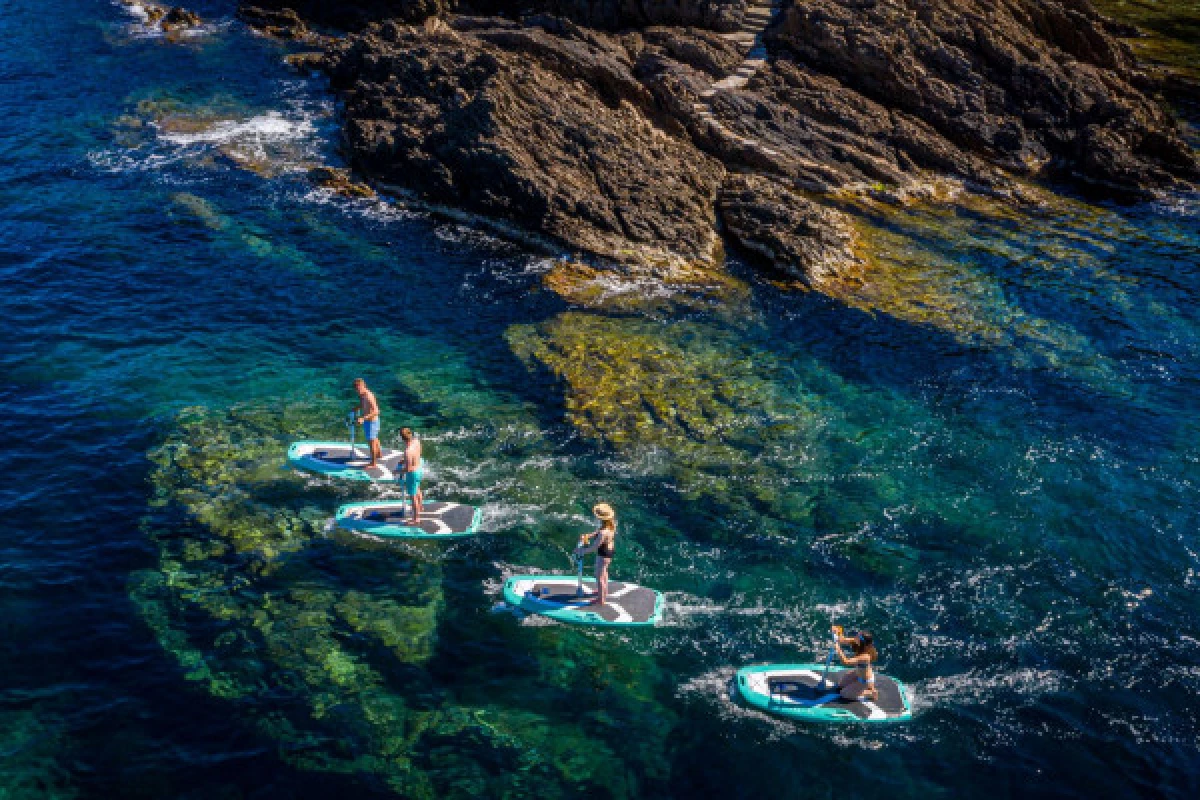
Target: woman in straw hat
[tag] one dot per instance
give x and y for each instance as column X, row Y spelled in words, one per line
column 602, row 546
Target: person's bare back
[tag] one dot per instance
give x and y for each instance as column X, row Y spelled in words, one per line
column 413, row 472
column 368, row 417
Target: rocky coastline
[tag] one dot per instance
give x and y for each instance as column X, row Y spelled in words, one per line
column 650, row 137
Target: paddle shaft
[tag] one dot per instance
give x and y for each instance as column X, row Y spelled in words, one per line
column 583, row 540
column 350, row 424
column 829, row 658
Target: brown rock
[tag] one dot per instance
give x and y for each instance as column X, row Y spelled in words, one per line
column 795, row 236
column 543, row 131
column 1030, row 85
column 340, row 181
column 179, row 18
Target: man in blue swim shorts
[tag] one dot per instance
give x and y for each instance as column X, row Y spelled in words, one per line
column 414, row 470
column 368, row 417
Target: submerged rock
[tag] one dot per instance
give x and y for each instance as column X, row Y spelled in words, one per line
column 323, row 645
column 340, row 181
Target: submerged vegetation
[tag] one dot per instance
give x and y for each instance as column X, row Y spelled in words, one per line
column 330, row 648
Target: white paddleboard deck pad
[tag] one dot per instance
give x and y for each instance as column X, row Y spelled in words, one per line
column 390, row 518
column 556, row 596
column 338, row 460
column 795, row 690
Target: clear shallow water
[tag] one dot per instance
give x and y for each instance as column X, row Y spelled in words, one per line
column 990, row 458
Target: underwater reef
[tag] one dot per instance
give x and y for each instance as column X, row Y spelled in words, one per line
column 328, row 647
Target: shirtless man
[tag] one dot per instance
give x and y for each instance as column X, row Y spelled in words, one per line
column 413, row 471
column 368, row 417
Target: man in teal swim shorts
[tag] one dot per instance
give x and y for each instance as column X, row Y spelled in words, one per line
column 413, row 472
column 368, row 416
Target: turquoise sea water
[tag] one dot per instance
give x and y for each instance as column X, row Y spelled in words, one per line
column 991, row 459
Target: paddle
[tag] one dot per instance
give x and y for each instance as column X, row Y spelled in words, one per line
column 583, row 540
column 837, row 634
column 350, row 420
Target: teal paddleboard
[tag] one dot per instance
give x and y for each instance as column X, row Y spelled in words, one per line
column 555, row 596
column 387, row 518
column 341, row 460
column 795, row 691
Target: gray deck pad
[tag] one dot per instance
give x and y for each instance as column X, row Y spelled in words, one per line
column 638, row 602
column 341, row 456
column 435, row 517
column 803, row 688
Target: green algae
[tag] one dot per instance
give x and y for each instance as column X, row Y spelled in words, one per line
column 1170, row 31
column 329, row 650
column 241, row 235
column 31, row 749
column 963, row 270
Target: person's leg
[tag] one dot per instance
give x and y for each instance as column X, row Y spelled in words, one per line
column 602, row 580
column 412, row 485
column 376, row 450
column 852, row 690
column 598, row 574
column 371, row 431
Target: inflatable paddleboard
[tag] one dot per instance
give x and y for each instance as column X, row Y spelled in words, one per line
column 386, row 518
column 339, row 460
column 555, row 596
column 794, row 691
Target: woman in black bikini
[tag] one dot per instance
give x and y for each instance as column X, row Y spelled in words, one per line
column 859, row 683
column 602, row 546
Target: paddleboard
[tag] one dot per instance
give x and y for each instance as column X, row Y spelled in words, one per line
column 793, row 690
column 386, row 518
column 338, row 460
column 555, row 596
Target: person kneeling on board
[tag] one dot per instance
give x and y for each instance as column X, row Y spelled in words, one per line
column 859, row 683
column 602, row 546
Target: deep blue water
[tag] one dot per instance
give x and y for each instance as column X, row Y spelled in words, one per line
column 990, row 457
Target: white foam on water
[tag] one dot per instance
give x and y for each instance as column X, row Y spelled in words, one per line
column 272, row 126
column 982, row 688
column 715, row 688
column 141, row 27
column 1183, row 204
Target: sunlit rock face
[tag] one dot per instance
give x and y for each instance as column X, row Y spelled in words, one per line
column 327, row 646
column 1029, row 86
column 604, row 130
column 545, row 131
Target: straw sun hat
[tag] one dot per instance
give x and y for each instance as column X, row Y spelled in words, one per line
column 604, row 512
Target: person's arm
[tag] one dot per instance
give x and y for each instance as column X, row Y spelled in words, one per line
column 596, row 538
column 848, row 662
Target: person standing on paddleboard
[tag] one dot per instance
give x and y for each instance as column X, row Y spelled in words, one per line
column 602, row 546
column 413, row 472
column 368, row 417
column 860, row 682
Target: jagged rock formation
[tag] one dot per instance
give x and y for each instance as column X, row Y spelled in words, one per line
column 609, row 126
column 1024, row 84
column 800, row 238
column 547, row 129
